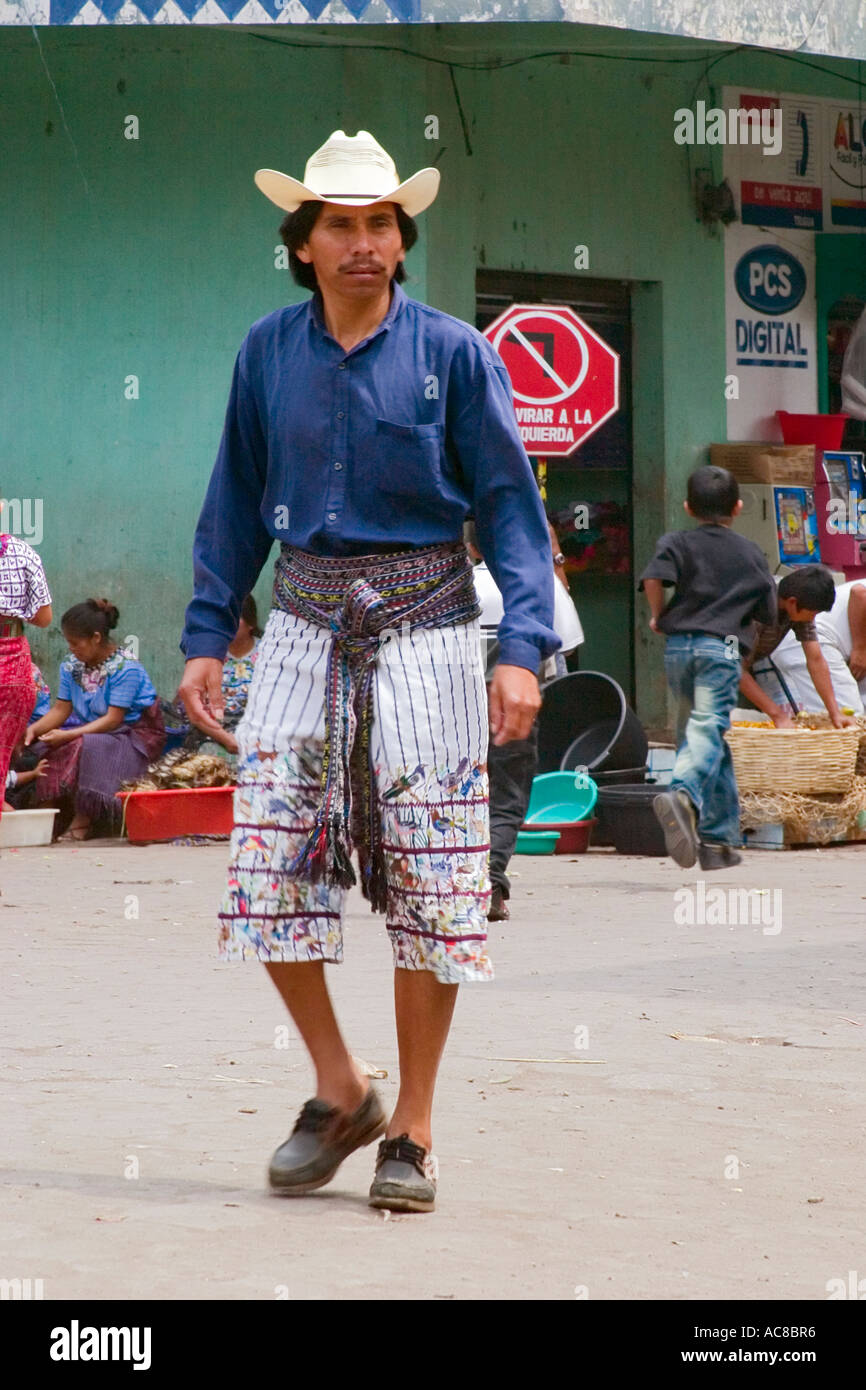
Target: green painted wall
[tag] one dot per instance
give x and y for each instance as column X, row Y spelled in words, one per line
column 152, row 257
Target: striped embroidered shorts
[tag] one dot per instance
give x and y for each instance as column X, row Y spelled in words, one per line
column 429, row 742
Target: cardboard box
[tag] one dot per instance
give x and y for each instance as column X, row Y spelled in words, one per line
column 767, row 463
column 778, row 836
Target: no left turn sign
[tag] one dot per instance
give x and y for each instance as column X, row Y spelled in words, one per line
column 565, row 378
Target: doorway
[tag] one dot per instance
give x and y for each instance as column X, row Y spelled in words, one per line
column 840, row 282
column 589, row 494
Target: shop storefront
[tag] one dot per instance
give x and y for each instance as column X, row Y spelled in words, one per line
column 140, row 253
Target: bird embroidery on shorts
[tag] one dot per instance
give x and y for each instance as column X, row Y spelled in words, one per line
column 241, row 904
column 311, row 767
column 473, row 777
column 403, row 783
column 418, row 920
column 256, row 842
column 450, row 780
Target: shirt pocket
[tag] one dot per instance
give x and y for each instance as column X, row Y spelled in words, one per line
column 407, row 459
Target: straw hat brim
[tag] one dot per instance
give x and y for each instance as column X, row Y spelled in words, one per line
column 414, row 194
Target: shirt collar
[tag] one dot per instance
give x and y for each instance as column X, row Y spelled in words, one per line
column 398, row 300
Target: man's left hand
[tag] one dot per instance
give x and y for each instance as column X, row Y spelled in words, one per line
column 515, row 700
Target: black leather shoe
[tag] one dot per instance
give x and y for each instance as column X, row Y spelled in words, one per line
column 322, row 1137
column 406, row 1176
column 677, row 817
column 718, row 856
column 499, row 910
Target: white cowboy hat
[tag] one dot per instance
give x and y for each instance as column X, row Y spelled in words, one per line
column 352, row 170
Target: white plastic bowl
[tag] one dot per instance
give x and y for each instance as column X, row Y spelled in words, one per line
column 19, row 828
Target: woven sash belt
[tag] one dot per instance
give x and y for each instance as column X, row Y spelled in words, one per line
column 357, row 598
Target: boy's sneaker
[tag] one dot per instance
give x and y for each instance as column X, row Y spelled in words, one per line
column 718, row 856
column 679, row 820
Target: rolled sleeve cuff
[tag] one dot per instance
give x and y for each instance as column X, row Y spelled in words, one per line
column 515, row 651
column 204, row 644
column 658, row 570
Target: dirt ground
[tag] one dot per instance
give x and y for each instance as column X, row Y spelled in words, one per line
column 637, row 1108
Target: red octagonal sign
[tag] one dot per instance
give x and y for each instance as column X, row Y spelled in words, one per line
column 564, row 377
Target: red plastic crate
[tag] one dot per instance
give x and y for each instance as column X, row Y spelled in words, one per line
column 186, row 811
column 825, row 431
column 574, row 835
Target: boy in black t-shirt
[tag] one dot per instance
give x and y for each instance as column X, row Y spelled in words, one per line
column 721, row 586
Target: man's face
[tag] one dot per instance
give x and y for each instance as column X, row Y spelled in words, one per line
column 354, row 251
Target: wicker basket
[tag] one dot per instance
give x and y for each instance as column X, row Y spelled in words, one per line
column 794, row 760
column 822, row 721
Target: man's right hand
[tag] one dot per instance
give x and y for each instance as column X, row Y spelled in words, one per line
column 201, row 693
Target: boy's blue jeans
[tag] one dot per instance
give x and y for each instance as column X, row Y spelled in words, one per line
column 704, row 675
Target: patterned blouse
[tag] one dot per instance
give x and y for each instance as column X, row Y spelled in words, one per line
column 237, row 674
column 23, row 587
column 119, row 680
column 43, row 694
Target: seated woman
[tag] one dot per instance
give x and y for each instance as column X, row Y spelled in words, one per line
column 121, row 730
column 237, row 675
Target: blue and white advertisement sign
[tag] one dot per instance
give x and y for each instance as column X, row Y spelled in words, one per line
column 770, row 312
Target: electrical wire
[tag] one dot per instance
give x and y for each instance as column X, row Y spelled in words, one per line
column 501, row 64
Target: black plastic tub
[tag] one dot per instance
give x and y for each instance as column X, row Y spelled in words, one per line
column 613, row 777
column 586, row 717
column 626, row 820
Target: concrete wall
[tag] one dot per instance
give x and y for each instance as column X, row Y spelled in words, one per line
column 151, row 257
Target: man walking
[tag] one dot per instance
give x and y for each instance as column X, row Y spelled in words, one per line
column 511, row 767
column 361, row 429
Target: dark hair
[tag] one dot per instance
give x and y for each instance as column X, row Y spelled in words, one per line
column 712, row 492
column 92, row 616
column 250, row 614
column 812, row 586
column 295, row 230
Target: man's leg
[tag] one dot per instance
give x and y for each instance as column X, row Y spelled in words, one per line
column 292, row 925
column 511, row 768
column 423, row 1008
column 304, row 991
column 430, row 750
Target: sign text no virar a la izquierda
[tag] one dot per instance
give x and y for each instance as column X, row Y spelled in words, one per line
column 565, row 378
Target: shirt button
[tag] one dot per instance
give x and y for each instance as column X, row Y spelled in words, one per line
column 340, row 414
column 337, row 464
column 332, row 516
column 341, row 366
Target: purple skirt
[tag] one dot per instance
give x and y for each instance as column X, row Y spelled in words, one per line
column 90, row 769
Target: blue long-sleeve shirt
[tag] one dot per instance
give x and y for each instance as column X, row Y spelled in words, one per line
column 391, row 444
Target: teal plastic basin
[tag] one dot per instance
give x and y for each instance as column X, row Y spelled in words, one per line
column 537, row 841
column 561, row 796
